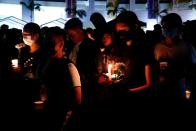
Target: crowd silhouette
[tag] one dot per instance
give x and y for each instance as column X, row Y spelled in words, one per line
column 114, row 76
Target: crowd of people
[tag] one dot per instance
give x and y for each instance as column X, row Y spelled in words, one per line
column 114, row 76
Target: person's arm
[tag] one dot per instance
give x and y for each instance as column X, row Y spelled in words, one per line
column 75, row 77
column 77, row 91
column 148, row 80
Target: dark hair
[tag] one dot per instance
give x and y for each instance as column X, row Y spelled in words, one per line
column 32, row 28
column 4, row 27
column 127, row 17
column 157, row 27
column 98, row 20
column 173, row 20
column 73, row 23
column 89, row 30
column 49, row 43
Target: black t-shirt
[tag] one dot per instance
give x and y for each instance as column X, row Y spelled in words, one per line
column 135, row 61
column 57, row 80
column 29, row 61
column 134, row 58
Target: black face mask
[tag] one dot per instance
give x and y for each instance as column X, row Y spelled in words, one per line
column 124, row 36
column 172, row 33
column 121, row 39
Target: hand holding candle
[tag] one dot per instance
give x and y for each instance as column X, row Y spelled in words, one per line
column 116, row 72
column 109, row 70
column 15, row 63
column 39, row 105
column 188, row 94
column 111, row 75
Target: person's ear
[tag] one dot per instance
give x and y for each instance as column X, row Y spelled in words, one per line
column 62, row 45
column 36, row 36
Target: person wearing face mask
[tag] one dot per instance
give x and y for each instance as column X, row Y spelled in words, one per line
column 30, row 54
column 130, row 43
column 61, row 90
column 132, row 68
column 29, row 57
column 172, row 58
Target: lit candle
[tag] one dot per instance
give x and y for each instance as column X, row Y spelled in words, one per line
column 15, row 63
column 109, row 70
column 188, row 94
column 39, row 105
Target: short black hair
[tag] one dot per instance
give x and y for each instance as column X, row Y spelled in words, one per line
column 4, row 27
column 49, row 42
column 32, row 28
column 174, row 20
column 73, row 23
column 127, row 17
column 98, row 20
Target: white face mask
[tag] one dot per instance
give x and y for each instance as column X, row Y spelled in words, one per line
column 28, row 40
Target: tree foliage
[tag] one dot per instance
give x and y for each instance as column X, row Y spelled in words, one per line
column 113, row 7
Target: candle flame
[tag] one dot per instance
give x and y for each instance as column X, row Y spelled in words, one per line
column 109, row 69
column 188, row 94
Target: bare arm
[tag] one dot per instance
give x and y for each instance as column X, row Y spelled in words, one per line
column 78, row 95
column 148, row 80
column 75, row 77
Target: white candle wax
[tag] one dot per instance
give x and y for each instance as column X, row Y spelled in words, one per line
column 188, row 94
column 15, row 63
column 110, row 70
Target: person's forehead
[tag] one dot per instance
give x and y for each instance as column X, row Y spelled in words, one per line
column 58, row 37
column 72, row 31
column 121, row 26
column 106, row 35
column 26, row 33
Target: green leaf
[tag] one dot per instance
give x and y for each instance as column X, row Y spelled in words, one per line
column 121, row 9
column 115, row 11
column 37, row 8
column 81, row 13
column 114, row 5
column 110, row 4
column 192, row 6
column 117, row 3
column 109, row 12
column 31, row 5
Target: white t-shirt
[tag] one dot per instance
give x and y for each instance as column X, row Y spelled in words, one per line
column 75, row 77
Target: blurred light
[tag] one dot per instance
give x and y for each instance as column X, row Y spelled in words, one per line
column 150, row 24
column 49, row 13
column 10, row 10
